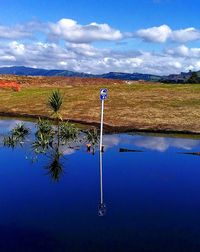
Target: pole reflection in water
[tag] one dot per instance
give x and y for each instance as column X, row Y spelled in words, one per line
column 102, row 206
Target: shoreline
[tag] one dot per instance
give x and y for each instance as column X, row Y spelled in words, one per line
column 113, row 129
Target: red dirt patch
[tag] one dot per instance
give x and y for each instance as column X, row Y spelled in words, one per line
column 10, row 84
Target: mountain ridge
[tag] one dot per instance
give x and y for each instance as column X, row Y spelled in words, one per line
column 22, row 70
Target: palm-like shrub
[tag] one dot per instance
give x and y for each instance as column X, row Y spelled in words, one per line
column 48, row 136
column 17, row 135
column 43, row 136
column 92, row 138
column 68, row 132
column 20, row 130
column 55, row 102
column 42, row 143
column 44, row 127
column 55, row 168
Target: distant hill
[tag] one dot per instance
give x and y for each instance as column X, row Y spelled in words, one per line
column 130, row 76
column 176, row 78
column 22, row 70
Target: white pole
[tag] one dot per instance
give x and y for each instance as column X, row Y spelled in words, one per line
column 102, row 206
column 101, row 177
column 101, row 131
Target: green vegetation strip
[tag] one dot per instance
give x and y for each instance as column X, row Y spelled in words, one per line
column 157, row 107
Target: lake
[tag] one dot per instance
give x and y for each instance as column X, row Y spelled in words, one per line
column 150, row 199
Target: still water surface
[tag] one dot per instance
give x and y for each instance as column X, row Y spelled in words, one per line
column 152, row 198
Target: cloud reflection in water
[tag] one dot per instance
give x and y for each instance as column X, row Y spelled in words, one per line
column 160, row 144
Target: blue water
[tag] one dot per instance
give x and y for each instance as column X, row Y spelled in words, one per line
column 152, row 197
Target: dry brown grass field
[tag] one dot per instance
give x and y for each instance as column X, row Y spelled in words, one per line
column 130, row 105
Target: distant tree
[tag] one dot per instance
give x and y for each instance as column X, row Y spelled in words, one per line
column 194, row 79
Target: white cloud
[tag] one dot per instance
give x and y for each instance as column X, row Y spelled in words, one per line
column 155, row 34
column 185, row 35
column 7, row 58
column 162, row 144
column 22, row 31
column 71, row 31
column 161, row 34
column 17, row 48
column 82, row 49
column 184, row 51
column 87, row 58
column 15, row 32
column 77, row 53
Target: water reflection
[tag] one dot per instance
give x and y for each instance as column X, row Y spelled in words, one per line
column 155, row 197
column 55, row 167
column 155, row 143
column 102, row 205
column 162, row 144
column 47, row 140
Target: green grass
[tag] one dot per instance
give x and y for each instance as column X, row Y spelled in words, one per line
column 137, row 106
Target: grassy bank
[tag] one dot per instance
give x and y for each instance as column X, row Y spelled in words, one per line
column 156, row 107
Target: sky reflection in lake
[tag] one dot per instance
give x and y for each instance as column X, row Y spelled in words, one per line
column 147, row 142
column 150, row 199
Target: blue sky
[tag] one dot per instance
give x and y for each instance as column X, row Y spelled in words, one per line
column 149, row 36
